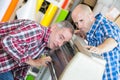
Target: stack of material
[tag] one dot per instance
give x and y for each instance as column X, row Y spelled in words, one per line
column 61, row 58
column 78, row 68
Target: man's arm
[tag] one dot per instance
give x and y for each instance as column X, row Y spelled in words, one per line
column 7, row 27
column 108, row 45
column 15, row 47
column 39, row 62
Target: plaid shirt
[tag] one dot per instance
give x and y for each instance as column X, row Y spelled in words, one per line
column 99, row 32
column 20, row 40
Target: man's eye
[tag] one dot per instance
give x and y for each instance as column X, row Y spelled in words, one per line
column 61, row 37
column 81, row 20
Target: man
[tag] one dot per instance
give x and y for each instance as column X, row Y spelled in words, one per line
column 103, row 38
column 24, row 41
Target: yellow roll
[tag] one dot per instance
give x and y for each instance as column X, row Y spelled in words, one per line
column 39, row 4
column 47, row 19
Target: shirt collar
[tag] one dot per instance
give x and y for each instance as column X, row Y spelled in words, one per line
column 46, row 40
column 95, row 25
column 47, row 34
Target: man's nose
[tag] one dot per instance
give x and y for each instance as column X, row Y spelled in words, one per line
column 60, row 43
column 79, row 25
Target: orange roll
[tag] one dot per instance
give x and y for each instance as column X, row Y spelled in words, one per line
column 10, row 10
column 65, row 4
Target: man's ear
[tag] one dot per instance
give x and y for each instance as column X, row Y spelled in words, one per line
column 91, row 16
column 53, row 27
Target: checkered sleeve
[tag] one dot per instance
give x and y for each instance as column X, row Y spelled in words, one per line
column 7, row 27
column 16, row 47
column 111, row 31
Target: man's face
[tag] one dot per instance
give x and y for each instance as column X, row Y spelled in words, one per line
column 81, row 20
column 58, row 37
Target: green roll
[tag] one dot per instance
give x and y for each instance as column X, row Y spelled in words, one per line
column 62, row 15
column 30, row 77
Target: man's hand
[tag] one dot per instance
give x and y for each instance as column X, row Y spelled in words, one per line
column 80, row 33
column 39, row 62
column 108, row 45
column 93, row 49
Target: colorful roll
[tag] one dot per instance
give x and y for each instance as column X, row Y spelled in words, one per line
column 56, row 15
column 63, row 14
column 39, row 4
column 4, row 4
column 10, row 10
column 30, row 77
column 27, row 11
column 65, row 4
column 47, row 19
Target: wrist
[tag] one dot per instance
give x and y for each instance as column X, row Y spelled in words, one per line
column 101, row 50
